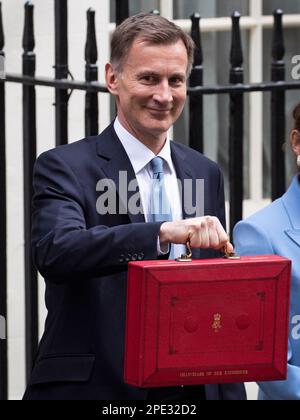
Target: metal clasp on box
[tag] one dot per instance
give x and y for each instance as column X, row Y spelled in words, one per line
column 186, row 257
column 189, row 256
column 230, row 255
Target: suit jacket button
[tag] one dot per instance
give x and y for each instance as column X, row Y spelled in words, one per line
column 141, row 256
column 134, row 257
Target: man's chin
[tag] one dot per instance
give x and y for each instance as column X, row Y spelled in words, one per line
column 159, row 126
column 158, row 129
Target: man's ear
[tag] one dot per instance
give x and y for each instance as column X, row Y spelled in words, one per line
column 295, row 140
column 111, row 79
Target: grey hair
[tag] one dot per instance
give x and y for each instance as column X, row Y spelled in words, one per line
column 150, row 28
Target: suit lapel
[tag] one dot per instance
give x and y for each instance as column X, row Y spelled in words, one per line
column 117, row 167
column 291, row 202
column 294, row 235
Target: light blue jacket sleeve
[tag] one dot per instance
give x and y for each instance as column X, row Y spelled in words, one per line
column 250, row 239
column 284, row 390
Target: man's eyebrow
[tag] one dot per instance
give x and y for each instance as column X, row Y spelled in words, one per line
column 153, row 73
column 178, row 75
column 147, row 73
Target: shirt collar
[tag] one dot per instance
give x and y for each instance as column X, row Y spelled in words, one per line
column 139, row 154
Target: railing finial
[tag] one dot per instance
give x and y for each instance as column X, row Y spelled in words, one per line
column 28, row 34
column 278, row 49
column 91, row 75
column 236, row 55
column 196, row 35
column 91, row 52
column 196, row 137
column 1, row 32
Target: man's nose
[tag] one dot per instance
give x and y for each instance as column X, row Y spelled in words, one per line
column 163, row 93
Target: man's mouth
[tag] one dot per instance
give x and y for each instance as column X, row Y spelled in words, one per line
column 160, row 110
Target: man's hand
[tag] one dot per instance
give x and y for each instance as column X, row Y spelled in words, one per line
column 203, row 232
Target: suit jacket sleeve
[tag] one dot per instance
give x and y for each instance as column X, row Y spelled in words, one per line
column 253, row 240
column 63, row 248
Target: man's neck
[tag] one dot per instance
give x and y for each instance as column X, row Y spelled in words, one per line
column 153, row 142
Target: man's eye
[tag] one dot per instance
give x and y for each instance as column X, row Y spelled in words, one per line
column 176, row 81
column 148, row 79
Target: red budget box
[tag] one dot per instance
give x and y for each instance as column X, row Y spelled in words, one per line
column 207, row 321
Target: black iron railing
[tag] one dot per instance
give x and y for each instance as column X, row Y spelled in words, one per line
column 236, row 89
column 196, row 79
column 29, row 156
column 3, row 240
column 91, row 75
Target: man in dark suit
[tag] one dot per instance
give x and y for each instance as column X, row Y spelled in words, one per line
column 83, row 251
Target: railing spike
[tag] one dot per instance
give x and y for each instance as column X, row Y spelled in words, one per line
column 28, row 34
column 236, row 54
column 91, row 75
column 196, row 35
column 91, row 52
column 278, row 49
column 196, row 79
column 1, row 31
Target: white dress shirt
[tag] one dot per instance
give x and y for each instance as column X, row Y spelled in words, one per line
column 140, row 157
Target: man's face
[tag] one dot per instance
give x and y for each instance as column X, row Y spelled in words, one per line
column 151, row 87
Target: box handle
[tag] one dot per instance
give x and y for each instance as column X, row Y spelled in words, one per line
column 186, row 257
column 189, row 256
column 230, row 255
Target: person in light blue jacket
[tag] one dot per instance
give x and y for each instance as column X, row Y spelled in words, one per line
column 276, row 230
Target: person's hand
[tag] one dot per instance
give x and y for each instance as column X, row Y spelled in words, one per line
column 203, row 232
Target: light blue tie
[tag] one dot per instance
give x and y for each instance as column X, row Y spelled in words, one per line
column 160, row 205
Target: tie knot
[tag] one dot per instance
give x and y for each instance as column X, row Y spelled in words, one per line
column 157, row 165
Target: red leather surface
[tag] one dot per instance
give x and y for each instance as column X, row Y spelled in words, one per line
column 209, row 321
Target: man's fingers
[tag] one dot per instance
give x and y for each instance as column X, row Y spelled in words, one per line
column 205, row 232
column 213, row 233
column 208, row 232
column 223, row 237
column 204, row 235
column 229, row 249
